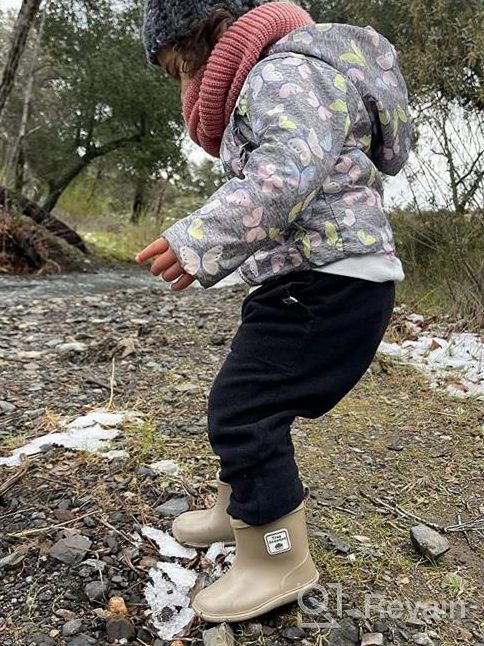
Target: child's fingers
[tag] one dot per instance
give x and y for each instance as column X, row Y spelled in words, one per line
column 182, row 283
column 154, row 249
column 163, row 262
column 173, row 272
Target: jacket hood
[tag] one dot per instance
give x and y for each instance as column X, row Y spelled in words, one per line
column 370, row 62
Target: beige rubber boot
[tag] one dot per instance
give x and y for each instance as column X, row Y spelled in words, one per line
column 271, row 566
column 203, row 527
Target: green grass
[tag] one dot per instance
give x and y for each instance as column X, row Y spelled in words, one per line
column 443, row 257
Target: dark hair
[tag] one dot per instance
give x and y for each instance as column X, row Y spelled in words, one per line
column 196, row 47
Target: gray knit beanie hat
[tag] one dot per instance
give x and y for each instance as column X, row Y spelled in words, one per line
column 167, row 21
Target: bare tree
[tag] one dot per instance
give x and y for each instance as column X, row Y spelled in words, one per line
column 15, row 160
column 21, row 30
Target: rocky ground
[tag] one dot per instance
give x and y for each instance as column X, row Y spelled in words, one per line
column 393, row 454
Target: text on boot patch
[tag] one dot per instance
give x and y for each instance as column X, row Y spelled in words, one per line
column 278, row 541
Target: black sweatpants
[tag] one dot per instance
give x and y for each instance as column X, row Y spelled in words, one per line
column 304, row 341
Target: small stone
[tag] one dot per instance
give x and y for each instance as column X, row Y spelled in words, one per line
column 71, row 347
column 147, row 562
column 429, row 542
column 293, row 633
column 415, row 621
column 165, row 467
column 422, row 639
column 71, row 627
column 253, row 629
column 63, row 515
column 372, row 639
column 95, row 590
column 395, row 447
column 71, row 550
column 334, row 542
column 144, row 472
column 11, row 561
column 172, row 507
column 144, row 635
column 6, row 407
column 112, row 543
column 117, row 606
column 221, row 635
column 45, row 596
column 346, row 634
column 34, row 414
column 381, row 627
column 83, row 640
column 188, row 388
column 119, row 628
column 40, row 639
column 94, row 563
column 66, row 614
column 465, row 634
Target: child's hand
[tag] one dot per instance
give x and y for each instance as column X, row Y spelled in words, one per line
column 167, row 264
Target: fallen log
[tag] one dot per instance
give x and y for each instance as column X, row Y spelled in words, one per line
column 11, row 201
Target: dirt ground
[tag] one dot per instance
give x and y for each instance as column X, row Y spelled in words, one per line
column 390, row 450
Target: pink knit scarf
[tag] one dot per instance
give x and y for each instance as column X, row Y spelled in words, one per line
column 212, row 93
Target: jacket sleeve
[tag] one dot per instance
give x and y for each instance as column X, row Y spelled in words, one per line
column 298, row 112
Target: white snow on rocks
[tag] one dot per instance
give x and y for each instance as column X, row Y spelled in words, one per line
column 163, row 595
column 167, row 545
column 171, row 583
column 91, row 432
column 169, row 596
column 183, row 579
column 454, row 361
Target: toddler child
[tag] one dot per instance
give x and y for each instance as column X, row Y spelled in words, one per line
column 304, row 117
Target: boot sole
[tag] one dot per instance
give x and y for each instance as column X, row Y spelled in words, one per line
column 204, row 545
column 280, row 600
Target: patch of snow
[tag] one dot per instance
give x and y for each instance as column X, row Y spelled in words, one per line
column 458, row 358
column 168, row 600
column 100, row 417
column 93, row 439
column 86, row 433
column 115, row 455
column 183, row 579
column 162, row 595
column 167, row 545
column 166, row 467
column 217, row 549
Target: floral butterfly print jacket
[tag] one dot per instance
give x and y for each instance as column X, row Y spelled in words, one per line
column 318, row 118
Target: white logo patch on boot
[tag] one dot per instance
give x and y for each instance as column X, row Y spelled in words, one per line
column 278, row 541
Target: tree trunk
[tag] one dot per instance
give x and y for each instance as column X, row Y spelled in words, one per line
column 159, row 203
column 13, row 161
column 21, row 30
column 19, row 171
column 58, row 187
column 138, row 201
column 11, row 200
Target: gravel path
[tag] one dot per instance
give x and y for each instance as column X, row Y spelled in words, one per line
column 70, row 525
